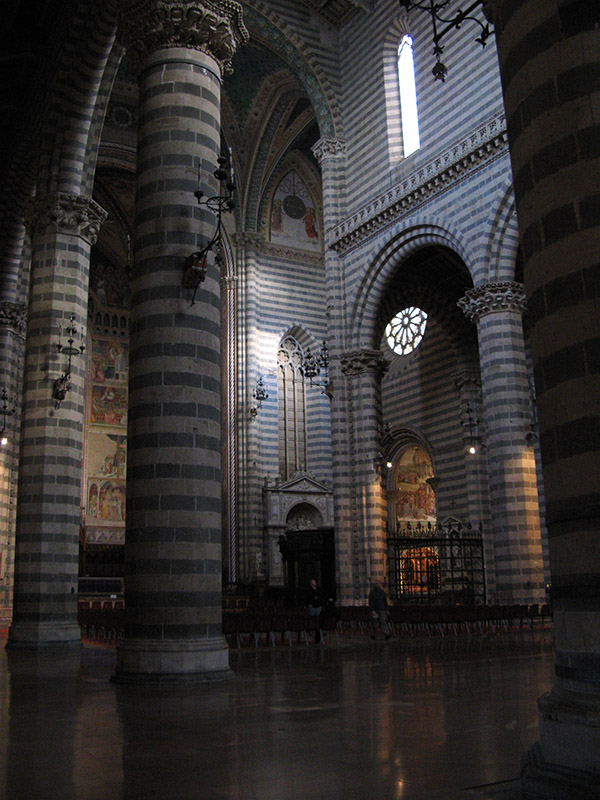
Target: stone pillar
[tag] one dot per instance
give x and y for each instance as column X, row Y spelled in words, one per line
column 12, row 337
column 251, row 508
column 362, row 546
column 468, row 386
column 230, row 403
column 549, row 56
column 331, row 155
column 497, row 309
column 63, row 228
column 174, row 475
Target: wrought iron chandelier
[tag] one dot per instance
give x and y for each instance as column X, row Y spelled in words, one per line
column 313, row 364
column 259, row 394
column 438, row 12
column 196, row 264
column 63, row 384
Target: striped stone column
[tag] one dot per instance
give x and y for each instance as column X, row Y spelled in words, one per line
column 13, row 320
column 330, row 152
column 174, row 476
column 63, row 228
column 468, row 386
column 497, row 309
column 549, row 56
column 362, row 547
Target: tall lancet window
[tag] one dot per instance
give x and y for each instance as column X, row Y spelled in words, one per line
column 292, row 408
column 408, row 96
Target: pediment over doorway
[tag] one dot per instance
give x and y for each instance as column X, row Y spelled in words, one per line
column 302, row 490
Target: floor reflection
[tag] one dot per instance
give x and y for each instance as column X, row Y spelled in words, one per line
column 402, row 720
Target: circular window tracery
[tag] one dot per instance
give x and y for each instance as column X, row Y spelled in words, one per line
column 406, row 329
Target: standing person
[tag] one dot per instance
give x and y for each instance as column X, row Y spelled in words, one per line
column 378, row 604
column 315, row 605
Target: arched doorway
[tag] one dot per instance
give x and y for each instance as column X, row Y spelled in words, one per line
column 308, row 552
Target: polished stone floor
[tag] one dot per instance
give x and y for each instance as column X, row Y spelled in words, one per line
column 408, row 719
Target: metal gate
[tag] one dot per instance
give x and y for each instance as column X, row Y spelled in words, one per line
column 436, row 565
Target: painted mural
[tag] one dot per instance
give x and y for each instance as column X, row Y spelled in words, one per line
column 105, row 486
column 293, row 215
column 414, row 498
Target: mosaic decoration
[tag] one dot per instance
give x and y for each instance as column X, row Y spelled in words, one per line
column 414, row 498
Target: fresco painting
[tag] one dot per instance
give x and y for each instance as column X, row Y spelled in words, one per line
column 108, row 405
column 106, row 500
column 109, row 361
column 414, row 497
column 293, row 215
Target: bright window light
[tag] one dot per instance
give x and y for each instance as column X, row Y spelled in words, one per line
column 408, row 96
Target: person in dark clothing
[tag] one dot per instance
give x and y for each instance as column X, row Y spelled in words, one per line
column 315, row 604
column 379, row 610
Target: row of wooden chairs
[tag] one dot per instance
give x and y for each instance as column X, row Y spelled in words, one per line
column 101, row 620
column 442, row 620
column 269, row 626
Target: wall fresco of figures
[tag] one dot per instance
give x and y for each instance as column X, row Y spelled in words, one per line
column 106, row 425
column 293, row 215
column 413, row 497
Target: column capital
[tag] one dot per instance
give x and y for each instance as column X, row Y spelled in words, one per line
column 65, row 213
column 13, row 317
column 353, row 362
column 214, row 27
column 492, row 298
column 467, row 379
column 329, row 147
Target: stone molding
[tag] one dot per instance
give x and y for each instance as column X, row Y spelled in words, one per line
column 214, row 27
column 474, row 151
column 492, row 298
column 354, row 362
column 228, row 281
column 255, row 243
column 329, row 147
column 65, row 213
column 13, row 317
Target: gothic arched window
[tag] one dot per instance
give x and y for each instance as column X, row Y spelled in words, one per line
column 291, row 408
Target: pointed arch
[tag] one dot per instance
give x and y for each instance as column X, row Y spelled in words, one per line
column 293, row 162
column 266, row 25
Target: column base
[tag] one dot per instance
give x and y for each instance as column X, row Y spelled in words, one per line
column 543, row 781
column 565, row 764
column 171, row 660
column 44, row 634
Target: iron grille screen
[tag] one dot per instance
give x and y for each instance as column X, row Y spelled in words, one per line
column 436, row 565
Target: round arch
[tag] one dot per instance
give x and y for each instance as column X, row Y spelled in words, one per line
column 377, row 279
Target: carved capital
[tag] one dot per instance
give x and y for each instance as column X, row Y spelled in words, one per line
column 65, row 213
column 13, row 317
column 228, row 282
column 467, row 381
column 328, row 147
column 492, row 298
column 214, row 27
column 357, row 361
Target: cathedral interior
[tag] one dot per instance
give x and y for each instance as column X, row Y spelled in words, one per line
column 298, row 290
